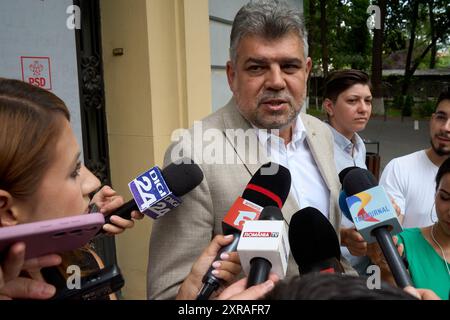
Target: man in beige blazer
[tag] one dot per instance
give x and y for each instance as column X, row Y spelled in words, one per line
column 267, row 74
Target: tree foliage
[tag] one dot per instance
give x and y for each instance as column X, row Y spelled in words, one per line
column 431, row 31
column 347, row 37
column 349, row 41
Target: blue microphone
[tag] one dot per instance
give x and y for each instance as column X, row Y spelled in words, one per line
column 342, row 195
column 374, row 217
column 343, row 205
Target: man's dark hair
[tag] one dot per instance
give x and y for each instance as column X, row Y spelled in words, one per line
column 444, row 95
column 339, row 81
column 270, row 19
column 321, row 286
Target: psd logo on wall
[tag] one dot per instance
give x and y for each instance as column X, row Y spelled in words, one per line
column 36, row 71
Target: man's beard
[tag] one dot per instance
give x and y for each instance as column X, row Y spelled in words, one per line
column 439, row 151
column 262, row 122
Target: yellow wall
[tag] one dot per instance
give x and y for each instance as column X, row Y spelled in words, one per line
column 160, row 83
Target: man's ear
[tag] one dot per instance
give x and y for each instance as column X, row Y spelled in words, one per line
column 308, row 66
column 328, row 105
column 231, row 73
column 8, row 216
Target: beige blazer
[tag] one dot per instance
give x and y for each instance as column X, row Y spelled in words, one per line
column 180, row 236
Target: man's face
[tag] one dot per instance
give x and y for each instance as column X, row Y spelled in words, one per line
column 440, row 129
column 268, row 80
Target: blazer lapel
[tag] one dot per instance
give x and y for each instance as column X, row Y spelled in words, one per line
column 243, row 138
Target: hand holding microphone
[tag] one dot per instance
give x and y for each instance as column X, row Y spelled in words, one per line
column 261, row 191
column 354, row 241
column 375, row 218
column 226, row 269
column 156, row 192
column 350, row 237
column 241, row 291
column 377, row 257
column 106, row 201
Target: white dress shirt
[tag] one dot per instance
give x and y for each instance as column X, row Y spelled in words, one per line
column 308, row 186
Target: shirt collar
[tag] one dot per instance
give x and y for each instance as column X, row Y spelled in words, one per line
column 343, row 142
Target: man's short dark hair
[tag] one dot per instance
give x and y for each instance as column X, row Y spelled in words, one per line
column 322, row 286
column 338, row 81
column 444, row 95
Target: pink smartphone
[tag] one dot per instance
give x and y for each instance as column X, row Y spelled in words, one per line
column 52, row 236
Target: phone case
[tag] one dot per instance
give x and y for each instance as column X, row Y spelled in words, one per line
column 52, row 236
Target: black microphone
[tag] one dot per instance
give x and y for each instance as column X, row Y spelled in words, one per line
column 157, row 191
column 260, row 266
column 342, row 195
column 314, row 242
column 344, row 173
column 375, row 218
column 262, row 191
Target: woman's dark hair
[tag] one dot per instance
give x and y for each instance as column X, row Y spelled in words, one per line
column 443, row 169
column 339, row 81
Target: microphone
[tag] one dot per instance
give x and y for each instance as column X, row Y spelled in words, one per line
column 264, row 246
column 342, row 195
column 314, row 242
column 156, row 192
column 261, row 191
column 344, row 173
column 375, row 218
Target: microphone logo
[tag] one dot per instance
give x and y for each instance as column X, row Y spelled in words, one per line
column 260, row 234
column 149, row 188
column 362, row 200
column 241, row 211
column 242, row 217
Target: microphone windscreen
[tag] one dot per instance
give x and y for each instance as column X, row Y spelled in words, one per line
column 271, row 213
column 182, row 176
column 269, row 189
column 343, row 206
column 358, row 180
column 344, row 172
column 312, row 238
